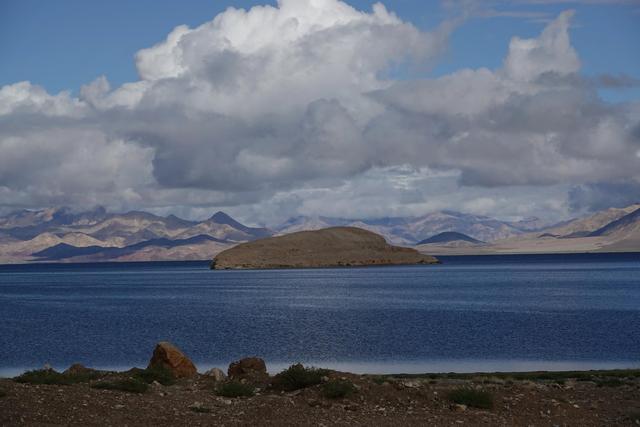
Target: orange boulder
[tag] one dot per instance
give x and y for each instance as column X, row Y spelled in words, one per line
column 168, row 356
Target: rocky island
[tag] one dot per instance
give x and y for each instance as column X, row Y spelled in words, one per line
column 329, row 247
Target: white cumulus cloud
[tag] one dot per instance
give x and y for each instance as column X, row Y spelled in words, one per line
column 300, row 107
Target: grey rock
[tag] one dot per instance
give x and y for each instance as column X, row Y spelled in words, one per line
column 216, row 373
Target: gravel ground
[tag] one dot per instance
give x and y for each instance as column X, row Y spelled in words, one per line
column 377, row 402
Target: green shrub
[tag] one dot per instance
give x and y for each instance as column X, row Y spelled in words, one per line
column 297, row 376
column 472, row 398
column 49, row 376
column 611, row 382
column 337, row 389
column 235, row 389
column 634, row 416
column 535, row 376
column 159, row 374
column 129, row 385
column 200, row 409
column 379, row 380
column 43, row 376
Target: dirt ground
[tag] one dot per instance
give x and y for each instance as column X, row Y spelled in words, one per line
column 378, row 401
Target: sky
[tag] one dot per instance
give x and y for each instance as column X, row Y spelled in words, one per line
column 271, row 109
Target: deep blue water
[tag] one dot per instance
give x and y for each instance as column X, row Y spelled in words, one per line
column 471, row 313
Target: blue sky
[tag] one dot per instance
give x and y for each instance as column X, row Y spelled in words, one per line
column 500, row 108
column 64, row 44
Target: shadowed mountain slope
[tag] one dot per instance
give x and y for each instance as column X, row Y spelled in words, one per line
column 64, row 251
column 448, row 237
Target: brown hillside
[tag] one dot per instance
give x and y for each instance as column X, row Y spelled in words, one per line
column 329, row 247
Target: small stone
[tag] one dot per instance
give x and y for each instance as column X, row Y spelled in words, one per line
column 459, row 407
column 216, row 374
column 313, row 402
column 199, row 407
column 411, row 384
column 351, row 407
column 119, row 406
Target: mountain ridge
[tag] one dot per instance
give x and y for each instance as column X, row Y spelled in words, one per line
column 141, row 236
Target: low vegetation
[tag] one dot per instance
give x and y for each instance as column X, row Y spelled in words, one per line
column 554, row 376
column 634, row 416
column 337, row 389
column 159, row 374
column 297, row 376
column 2, row 393
column 235, row 389
column 379, row 380
column 610, row 382
column 49, row 376
column 472, row 398
column 130, row 385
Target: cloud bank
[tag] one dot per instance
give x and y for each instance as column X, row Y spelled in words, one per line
column 307, row 106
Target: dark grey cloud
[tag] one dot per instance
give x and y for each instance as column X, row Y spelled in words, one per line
column 602, row 195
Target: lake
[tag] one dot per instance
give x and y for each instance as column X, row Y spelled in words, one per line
column 486, row 313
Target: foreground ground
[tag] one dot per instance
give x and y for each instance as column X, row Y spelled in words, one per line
column 603, row 398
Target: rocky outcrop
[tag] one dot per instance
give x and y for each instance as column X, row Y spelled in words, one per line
column 78, row 369
column 251, row 368
column 329, row 247
column 169, row 357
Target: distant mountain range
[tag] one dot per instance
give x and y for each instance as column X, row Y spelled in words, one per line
column 610, row 230
column 61, row 235
column 410, row 230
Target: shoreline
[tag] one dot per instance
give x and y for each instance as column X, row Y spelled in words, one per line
column 404, row 369
column 208, row 262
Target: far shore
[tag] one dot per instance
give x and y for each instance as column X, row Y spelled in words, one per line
column 453, row 253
